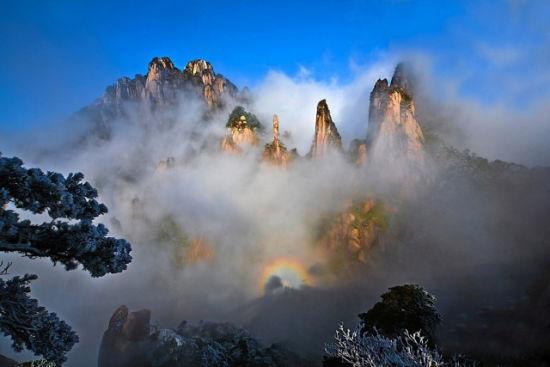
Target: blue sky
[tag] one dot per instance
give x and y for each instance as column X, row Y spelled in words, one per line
column 57, row 56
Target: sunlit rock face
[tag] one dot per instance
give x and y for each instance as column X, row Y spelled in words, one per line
column 350, row 235
column 326, row 137
column 213, row 85
column 393, row 130
column 163, row 85
column 275, row 152
column 242, row 127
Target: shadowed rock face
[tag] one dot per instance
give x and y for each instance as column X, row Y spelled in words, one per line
column 127, row 343
column 121, row 345
column 393, row 130
column 326, row 137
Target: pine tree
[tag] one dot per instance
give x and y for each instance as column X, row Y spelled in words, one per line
column 70, row 238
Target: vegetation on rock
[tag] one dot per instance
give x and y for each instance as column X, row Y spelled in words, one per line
column 234, row 120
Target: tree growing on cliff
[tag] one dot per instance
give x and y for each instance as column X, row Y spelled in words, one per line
column 69, row 238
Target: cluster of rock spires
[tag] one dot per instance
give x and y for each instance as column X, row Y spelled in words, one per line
column 394, row 135
column 393, row 132
column 162, row 86
column 163, row 82
column 130, row 341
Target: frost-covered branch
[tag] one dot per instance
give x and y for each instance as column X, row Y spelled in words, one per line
column 69, row 238
column 68, row 198
column 30, row 325
column 4, row 268
column 372, row 349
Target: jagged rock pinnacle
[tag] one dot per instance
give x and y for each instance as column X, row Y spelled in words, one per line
column 402, row 79
column 198, row 67
column 326, row 134
column 393, row 130
column 160, row 64
column 275, row 128
column 275, row 152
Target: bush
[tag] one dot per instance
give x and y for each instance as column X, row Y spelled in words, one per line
column 405, row 307
column 372, row 349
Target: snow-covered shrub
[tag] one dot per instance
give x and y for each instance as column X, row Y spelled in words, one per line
column 372, row 349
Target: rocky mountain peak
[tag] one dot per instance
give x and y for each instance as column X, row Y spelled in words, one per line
column 381, row 86
column 162, row 81
column 198, row 67
column 164, row 85
column 402, row 78
column 159, row 64
column 326, row 134
column 213, row 85
column 393, row 130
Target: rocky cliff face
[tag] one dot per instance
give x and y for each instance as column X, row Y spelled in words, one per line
column 326, row 137
column 163, row 84
column 202, row 344
column 241, row 131
column 350, row 235
column 393, row 129
column 122, row 342
column 275, row 152
column 212, row 86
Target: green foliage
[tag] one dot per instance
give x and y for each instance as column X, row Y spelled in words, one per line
column 234, row 117
column 270, row 147
column 174, row 238
column 430, row 136
column 376, row 215
column 169, row 231
column 405, row 307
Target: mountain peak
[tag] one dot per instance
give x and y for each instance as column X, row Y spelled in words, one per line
column 393, row 130
column 198, row 67
column 381, row 85
column 326, row 133
column 276, row 152
column 402, row 78
column 160, row 63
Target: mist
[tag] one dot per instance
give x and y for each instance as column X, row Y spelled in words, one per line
column 252, row 213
